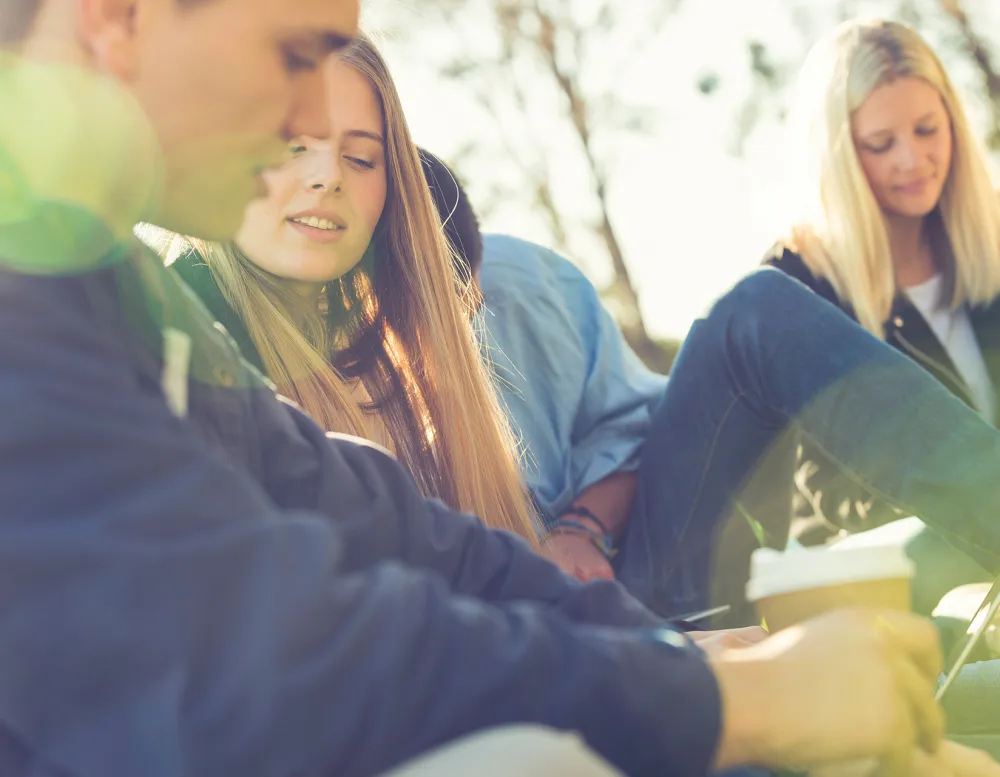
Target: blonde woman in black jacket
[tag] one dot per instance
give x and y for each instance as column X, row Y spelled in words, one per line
column 901, row 231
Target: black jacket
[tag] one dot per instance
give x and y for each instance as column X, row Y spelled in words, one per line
column 906, row 330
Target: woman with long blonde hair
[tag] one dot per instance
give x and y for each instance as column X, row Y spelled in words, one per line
column 901, row 231
column 902, row 220
column 340, row 287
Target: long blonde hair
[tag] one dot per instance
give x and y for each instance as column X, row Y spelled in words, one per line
column 397, row 325
column 843, row 235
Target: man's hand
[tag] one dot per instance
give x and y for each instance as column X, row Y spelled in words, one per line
column 951, row 760
column 955, row 760
column 578, row 556
column 714, row 642
column 847, row 685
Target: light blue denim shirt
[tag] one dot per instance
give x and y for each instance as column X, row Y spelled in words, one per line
column 577, row 395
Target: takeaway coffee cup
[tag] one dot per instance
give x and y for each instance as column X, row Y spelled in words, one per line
column 788, row 588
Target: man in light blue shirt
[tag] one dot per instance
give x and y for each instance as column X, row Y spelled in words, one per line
column 581, row 400
column 605, row 394
column 578, row 397
column 600, row 458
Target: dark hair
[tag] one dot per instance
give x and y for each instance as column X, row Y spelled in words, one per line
column 455, row 211
column 16, row 20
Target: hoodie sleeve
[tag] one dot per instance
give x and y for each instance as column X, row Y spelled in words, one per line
column 164, row 614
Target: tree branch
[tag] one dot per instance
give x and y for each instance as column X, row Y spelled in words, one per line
column 978, row 50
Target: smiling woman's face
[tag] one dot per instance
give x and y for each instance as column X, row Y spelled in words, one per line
column 324, row 203
column 902, row 134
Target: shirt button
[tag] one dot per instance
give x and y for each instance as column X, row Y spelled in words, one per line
column 897, row 321
column 223, row 376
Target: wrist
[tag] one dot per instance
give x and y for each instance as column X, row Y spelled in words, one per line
column 573, row 528
column 746, row 730
column 583, row 515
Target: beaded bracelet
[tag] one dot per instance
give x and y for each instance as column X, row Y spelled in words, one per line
column 584, row 512
column 602, row 542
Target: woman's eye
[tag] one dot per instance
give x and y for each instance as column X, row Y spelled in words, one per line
column 298, row 63
column 296, row 149
column 927, row 131
column 360, row 163
column 882, row 148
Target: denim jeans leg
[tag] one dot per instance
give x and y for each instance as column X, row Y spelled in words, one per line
column 773, row 360
column 665, row 563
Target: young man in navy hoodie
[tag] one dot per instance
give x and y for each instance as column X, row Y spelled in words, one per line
column 196, row 579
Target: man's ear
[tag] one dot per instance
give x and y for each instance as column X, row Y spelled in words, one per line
column 108, row 29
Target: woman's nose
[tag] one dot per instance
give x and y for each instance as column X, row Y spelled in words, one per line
column 906, row 155
column 323, row 173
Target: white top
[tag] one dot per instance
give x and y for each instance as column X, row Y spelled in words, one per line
column 798, row 569
column 955, row 333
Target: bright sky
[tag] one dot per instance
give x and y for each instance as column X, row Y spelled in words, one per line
column 692, row 217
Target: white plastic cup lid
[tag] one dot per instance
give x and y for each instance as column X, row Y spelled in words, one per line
column 773, row 572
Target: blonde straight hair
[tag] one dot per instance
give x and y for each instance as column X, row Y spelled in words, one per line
column 843, row 235
column 397, row 326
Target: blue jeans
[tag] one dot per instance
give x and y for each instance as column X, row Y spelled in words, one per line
column 770, row 362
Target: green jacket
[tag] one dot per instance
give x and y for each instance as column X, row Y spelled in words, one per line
column 198, row 276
